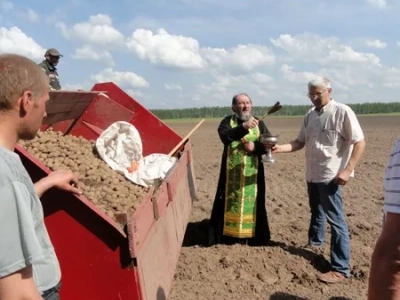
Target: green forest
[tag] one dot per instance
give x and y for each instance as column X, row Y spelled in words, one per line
column 287, row 110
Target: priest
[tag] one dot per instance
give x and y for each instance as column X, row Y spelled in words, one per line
column 239, row 214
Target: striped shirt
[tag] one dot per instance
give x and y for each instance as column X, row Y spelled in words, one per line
column 329, row 136
column 392, row 181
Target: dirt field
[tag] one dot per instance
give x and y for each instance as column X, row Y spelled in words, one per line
column 288, row 270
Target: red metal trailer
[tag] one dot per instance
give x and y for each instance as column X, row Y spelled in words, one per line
column 98, row 259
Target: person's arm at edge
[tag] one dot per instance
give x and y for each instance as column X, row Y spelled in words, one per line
column 42, row 186
column 19, row 286
column 384, row 279
column 294, row 145
column 61, row 179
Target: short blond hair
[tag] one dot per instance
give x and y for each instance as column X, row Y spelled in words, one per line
column 19, row 74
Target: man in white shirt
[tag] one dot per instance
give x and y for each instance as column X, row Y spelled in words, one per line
column 334, row 142
column 384, row 279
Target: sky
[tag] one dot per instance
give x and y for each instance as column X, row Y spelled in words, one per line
column 194, row 53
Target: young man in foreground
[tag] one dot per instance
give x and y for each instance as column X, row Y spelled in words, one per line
column 29, row 268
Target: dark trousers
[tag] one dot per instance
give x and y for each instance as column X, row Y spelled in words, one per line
column 52, row 294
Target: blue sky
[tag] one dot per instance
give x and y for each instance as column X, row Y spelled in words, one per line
column 191, row 53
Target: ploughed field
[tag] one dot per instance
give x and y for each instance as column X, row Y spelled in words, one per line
column 286, row 270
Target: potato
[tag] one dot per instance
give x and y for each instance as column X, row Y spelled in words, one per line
column 107, row 189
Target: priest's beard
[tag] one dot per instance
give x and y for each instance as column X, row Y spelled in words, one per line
column 243, row 116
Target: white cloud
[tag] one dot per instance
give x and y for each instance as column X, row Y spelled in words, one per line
column 185, row 52
column 296, row 77
column 206, row 74
column 392, row 78
column 324, row 51
column 13, row 40
column 127, row 80
column 345, row 54
column 54, row 18
column 376, row 44
column 163, row 48
column 175, row 87
column 305, row 47
column 343, row 79
column 348, row 84
column 261, row 78
column 98, row 30
column 227, row 4
column 224, row 86
column 87, row 52
column 246, row 57
column 30, row 15
column 135, row 94
column 24, row 14
column 381, row 4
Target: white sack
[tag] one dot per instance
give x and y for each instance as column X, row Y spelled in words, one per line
column 120, row 145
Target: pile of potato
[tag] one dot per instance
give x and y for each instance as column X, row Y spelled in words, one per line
column 107, row 189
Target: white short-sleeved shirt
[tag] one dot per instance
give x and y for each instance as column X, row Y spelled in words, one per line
column 24, row 239
column 329, row 135
column 392, row 181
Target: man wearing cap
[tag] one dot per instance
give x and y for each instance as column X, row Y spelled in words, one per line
column 49, row 64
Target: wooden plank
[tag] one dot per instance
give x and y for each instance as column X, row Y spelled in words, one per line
column 160, row 200
column 191, row 171
column 67, row 105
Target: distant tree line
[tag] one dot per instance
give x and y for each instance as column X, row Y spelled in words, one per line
column 287, row 110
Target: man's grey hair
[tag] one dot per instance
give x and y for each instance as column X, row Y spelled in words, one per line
column 234, row 99
column 320, row 82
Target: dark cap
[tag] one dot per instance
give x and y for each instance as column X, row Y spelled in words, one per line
column 53, row 52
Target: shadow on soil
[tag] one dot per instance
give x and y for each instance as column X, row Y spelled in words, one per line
column 318, row 261
column 197, row 234
column 285, row 296
column 161, row 294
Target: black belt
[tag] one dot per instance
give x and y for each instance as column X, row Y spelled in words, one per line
column 53, row 289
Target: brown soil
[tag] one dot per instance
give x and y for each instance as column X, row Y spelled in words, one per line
column 287, row 270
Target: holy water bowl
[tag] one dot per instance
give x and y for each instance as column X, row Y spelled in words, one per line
column 269, row 140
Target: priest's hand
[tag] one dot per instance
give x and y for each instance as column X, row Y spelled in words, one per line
column 250, row 123
column 249, row 147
